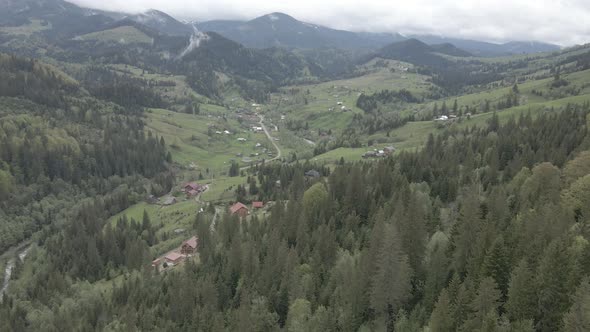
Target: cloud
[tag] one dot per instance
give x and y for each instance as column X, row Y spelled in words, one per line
column 564, row 22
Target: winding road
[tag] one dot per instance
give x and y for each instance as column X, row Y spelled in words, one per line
column 272, row 141
column 270, row 138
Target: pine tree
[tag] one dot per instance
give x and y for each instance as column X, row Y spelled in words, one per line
column 485, row 305
column 553, row 281
column 497, row 265
column 522, row 295
column 390, row 286
column 441, row 318
column 577, row 319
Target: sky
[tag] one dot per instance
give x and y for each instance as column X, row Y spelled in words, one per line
column 562, row 22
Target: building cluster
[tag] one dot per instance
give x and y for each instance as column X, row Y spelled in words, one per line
column 387, row 151
column 241, row 210
column 173, row 258
column 193, row 189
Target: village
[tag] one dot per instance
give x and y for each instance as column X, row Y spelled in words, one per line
column 189, row 247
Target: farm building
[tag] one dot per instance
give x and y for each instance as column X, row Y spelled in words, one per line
column 193, row 189
column 169, row 201
column 189, row 246
column 257, row 205
column 312, row 174
column 389, row 150
column 174, row 258
column 239, row 209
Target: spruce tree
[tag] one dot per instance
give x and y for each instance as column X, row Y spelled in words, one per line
column 577, row 319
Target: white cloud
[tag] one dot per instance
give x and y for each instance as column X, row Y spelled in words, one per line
column 563, row 22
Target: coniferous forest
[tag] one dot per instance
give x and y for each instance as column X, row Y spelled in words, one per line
column 159, row 175
column 483, row 229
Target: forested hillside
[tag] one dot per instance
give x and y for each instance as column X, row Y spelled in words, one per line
column 154, row 177
column 483, row 229
column 59, row 146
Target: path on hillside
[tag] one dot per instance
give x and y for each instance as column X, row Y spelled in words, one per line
column 270, row 138
column 272, row 141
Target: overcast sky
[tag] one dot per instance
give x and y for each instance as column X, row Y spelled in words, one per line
column 563, row 22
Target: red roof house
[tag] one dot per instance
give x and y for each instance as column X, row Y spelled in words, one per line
column 174, row 258
column 258, row 205
column 189, row 246
column 192, row 186
column 239, row 209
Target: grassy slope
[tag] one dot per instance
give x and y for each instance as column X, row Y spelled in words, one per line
column 187, row 136
column 27, row 29
column 124, row 35
column 326, row 95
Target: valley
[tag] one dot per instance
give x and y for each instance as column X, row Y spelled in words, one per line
column 323, row 180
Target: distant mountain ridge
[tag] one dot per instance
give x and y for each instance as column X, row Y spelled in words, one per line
column 282, row 30
column 162, row 22
column 419, row 53
column 481, row 48
column 272, row 30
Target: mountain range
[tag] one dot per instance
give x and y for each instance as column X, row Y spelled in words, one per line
column 272, row 30
column 282, row 30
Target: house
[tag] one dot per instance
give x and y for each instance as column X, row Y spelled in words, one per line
column 241, row 139
column 174, row 258
column 312, row 174
column 189, row 246
column 192, row 186
column 239, row 209
column 442, row 118
column 257, row 205
column 169, row 201
column 389, row 150
column 370, row 154
column 226, row 132
column 152, row 199
column 257, row 129
column 193, row 189
column 156, row 262
column 343, row 108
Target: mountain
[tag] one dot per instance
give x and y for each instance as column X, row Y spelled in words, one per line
column 53, row 19
column 450, row 49
column 281, row 30
column 419, row 53
column 162, row 22
column 481, row 48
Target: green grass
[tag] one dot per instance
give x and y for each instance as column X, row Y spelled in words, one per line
column 165, row 219
column 222, row 189
column 189, row 142
column 26, row 29
column 181, row 90
column 310, row 103
column 123, row 35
